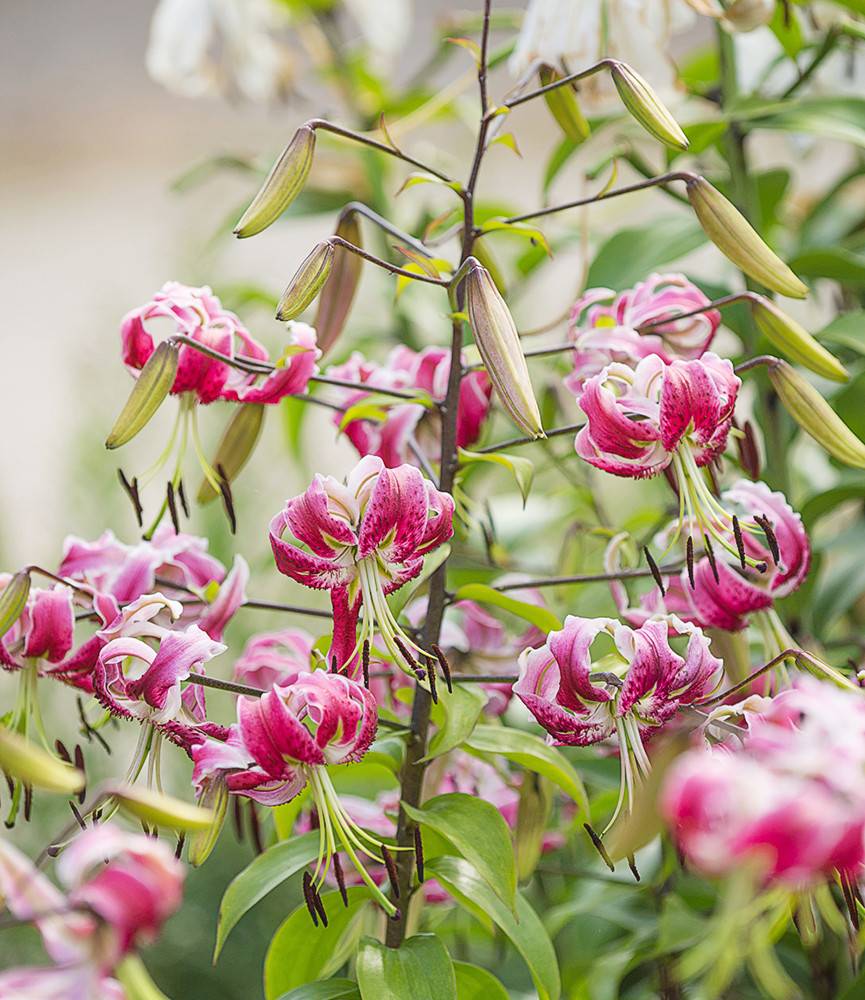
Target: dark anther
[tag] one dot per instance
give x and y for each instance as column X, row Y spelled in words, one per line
column 79, row 819
column 178, row 850
column 446, row 667
column 53, row 850
column 309, row 898
column 181, row 493
column 131, row 490
column 769, row 532
column 318, row 903
column 96, row 817
column 364, row 658
column 749, row 455
column 656, row 572
column 418, row 853
column 409, row 659
column 28, row 802
column 340, row 878
column 690, row 556
column 599, row 847
column 228, row 503
column 255, row 829
column 62, row 752
column 397, row 914
column 172, row 506
column 79, row 763
column 392, row 873
column 740, row 544
column 431, row 673
column 632, row 864
column 710, row 555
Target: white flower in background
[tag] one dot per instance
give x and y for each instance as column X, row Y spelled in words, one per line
column 385, row 26
column 742, row 15
column 202, row 48
column 578, row 33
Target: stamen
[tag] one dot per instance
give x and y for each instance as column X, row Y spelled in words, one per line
column 749, row 454
column 228, row 502
column 632, row 864
column 409, row 659
column 334, row 666
column 318, row 904
column 418, row 854
column 172, row 506
column 62, row 752
column 181, row 492
column 28, row 802
column 131, row 490
column 769, row 532
column 599, row 846
column 340, row 878
column 79, row 763
column 740, row 544
column 309, row 898
column 656, row 572
column 446, row 668
column 392, row 873
column 79, row 819
column 690, row 558
column 710, row 555
column 365, row 662
column 431, row 674
column 181, row 840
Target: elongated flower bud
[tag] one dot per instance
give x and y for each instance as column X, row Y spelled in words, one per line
column 646, row 107
column 307, row 281
column 794, row 340
column 13, row 599
column 500, row 348
column 533, row 816
column 283, row 184
column 737, row 240
column 31, row 765
column 150, row 389
column 202, row 843
column 746, row 15
column 815, row 416
column 159, row 810
column 336, row 297
column 563, row 106
column 235, row 447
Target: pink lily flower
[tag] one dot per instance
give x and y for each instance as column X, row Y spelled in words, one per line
column 120, row 889
column 44, row 630
column 274, row 658
column 611, row 332
column 631, row 693
column 362, row 541
column 427, row 370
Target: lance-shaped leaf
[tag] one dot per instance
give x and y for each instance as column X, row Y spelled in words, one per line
column 543, row 618
column 236, row 445
column 338, row 293
column 646, row 107
column 31, row 765
column 533, row 814
column 522, row 469
column 13, row 599
column 135, row 980
column 475, row 983
column 499, row 344
column 815, row 416
column 420, row 968
column 792, row 339
column 151, row 387
column 160, row 810
column 739, row 242
column 563, row 106
column 455, row 716
column 307, row 282
column 282, row 185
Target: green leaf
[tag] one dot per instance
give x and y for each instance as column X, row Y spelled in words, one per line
column 507, row 139
column 558, row 160
column 455, row 715
column 477, row 830
column 526, row 932
column 285, row 816
column 787, row 29
column 420, row 969
column 136, row 981
column 262, row 876
column 522, row 469
column 388, row 751
column 534, row 754
column 631, row 254
column 827, row 501
column 327, row 989
column 847, row 330
column 475, row 983
column 293, row 413
column 831, row 262
column 543, row 618
column 833, row 117
column 300, row 952
column 530, row 233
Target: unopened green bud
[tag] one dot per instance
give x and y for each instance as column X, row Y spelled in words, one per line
column 215, row 800
column 645, row 107
column 237, row 444
column 151, row 387
column 564, row 107
column 336, row 297
column 533, row 814
column 283, row 184
column 29, row 764
column 307, row 281
column 13, row 599
column 499, row 345
column 731, row 233
column 160, row 810
column 815, row 416
column 792, row 339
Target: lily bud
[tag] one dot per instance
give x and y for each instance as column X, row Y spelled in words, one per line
column 202, row 843
column 29, row 764
column 283, row 184
column 737, row 240
column 794, row 340
column 235, row 447
column 150, row 389
column 533, row 814
column 307, row 281
column 160, row 810
column 499, row 345
column 746, row 15
column 13, row 599
column 646, row 107
column 563, row 106
column 338, row 293
column 815, row 416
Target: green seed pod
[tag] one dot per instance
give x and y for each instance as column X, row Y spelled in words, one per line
column 307, row 281
column 236, row 446
column 160, row 810
column 13, row 599
column 737, row 240
column 646, row 108
column 338, row 293
column 151, row 387
column 794, row 340
column 815, row 416
column 499, row 345
column 282, row 185
column 31, row 765
column 564, row 107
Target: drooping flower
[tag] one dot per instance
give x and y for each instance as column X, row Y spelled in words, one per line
column 120, row 889
column 274, row 658
column 427, row 370
column 361, row 541
column 630, row 693
column 607, row 327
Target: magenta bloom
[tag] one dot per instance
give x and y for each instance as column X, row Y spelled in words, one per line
column 630, row 694
column 362, row 541
column 121, row 888
column 610, row 332
column 427, row 370
column 274, row 658
column 43, row 632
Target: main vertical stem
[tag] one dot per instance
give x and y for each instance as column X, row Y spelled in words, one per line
column 412, row 775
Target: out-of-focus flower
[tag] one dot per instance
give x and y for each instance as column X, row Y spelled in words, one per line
column 606, row 327
column 274, row 658
column 427, row 370
column 361, row 541
column 630, row 692
column 43, row 631
column 121, row 888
